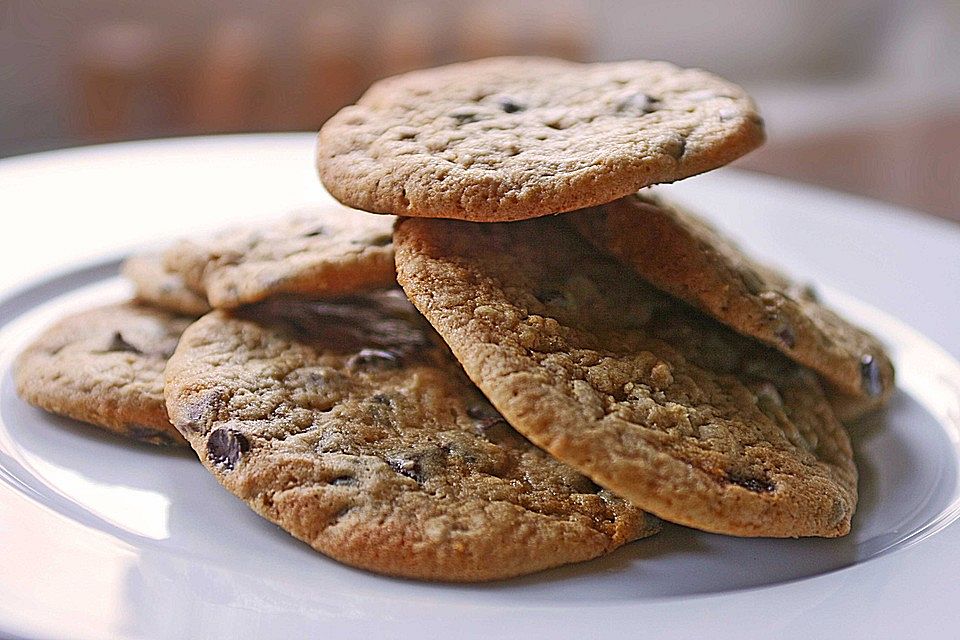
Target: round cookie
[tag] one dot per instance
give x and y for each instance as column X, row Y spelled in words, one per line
column 318, row 252
column 105, row 367
column 513, row 138
column 685, row 256
column 159, row 287
column 661, row 405
column 351, row 426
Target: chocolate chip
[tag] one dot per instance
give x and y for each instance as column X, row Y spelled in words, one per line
column 757, row 485
column 373, row 359
column 638, row 102
column 225, row 446
column 785, row 334
column 343, row 481
column 870, row 374
column 117, row 343
column 509, row 106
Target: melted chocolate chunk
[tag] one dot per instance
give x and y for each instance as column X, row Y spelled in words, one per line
column 757, row 485
column 373, row 359
column 509, row 106
column 870, row 374
column 117, row 343
column 225, row 446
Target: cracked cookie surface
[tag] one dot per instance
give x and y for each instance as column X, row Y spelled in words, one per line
column 512, row 138
column 652, row 400
column 350, row 425
column 154, row 284
column 688, row 258
column 321, row 251
column 105, row 367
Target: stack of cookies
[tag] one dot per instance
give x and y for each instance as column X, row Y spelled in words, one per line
column 523, row 389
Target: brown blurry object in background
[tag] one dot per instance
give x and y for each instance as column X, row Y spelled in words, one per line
column 230, row 80
column 406, row 40
column 912, row 163
column 485, row 29
column 115, row 63
column 560, row 30
column 335, row 61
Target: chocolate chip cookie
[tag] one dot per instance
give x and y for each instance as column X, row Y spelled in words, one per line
column 659, row 404
column 105, row 367
column 512, row 138
column 688, row 258
column 351, row 426
column 157, row 286
column 317, row 252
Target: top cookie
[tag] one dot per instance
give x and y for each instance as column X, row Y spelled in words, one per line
column 659, row 404
column 513, row 138
column 686, row 257
column 317, row 252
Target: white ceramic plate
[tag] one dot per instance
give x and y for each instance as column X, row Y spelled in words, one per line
column 103, row 538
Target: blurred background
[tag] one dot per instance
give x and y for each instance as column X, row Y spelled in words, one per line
column 858, row 95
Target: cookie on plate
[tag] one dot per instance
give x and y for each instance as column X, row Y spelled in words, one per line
column 512, row 138
column 653, row 401
column 105, row 367
column 688, row 258
column 317, row 252
column 155, row 285
column 349, row 424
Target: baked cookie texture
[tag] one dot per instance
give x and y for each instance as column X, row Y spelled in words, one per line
column 316, row 252
column 655, row 402
column 685, row 256
column 513, row 138
column 155, row 285
column 351, row 426
column 105, row 367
